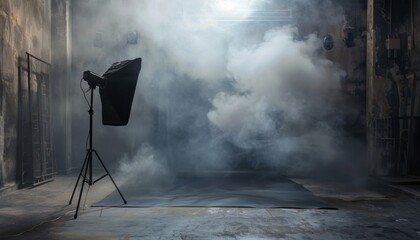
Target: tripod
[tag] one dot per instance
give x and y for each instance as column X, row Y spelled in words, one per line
column 87, row 163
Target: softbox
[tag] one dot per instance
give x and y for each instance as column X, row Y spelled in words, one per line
column 118, row 93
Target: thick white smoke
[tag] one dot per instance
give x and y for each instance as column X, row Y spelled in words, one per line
column 280, row 85
column 224, row 88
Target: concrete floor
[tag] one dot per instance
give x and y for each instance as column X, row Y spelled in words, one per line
column 43, row 213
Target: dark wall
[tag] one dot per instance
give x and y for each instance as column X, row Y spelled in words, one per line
column 24, row 27
column 349, row 53
column 392, row 96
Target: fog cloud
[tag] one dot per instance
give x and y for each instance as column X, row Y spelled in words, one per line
column 219, row 95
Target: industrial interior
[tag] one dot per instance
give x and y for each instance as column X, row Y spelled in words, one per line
column 209, row 119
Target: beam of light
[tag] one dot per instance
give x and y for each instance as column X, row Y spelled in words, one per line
column 232, row 5
column 234, row 8
column 233, row 11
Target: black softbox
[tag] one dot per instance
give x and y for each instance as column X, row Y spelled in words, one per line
column 118, row 93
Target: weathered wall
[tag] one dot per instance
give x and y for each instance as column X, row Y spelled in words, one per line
column 347, row 31
column 392, row 70
column 350, row 56
column 349, row 53
column 24, row 27
column 61, row 85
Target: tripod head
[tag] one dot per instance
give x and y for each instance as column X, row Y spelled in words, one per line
column 93, row 79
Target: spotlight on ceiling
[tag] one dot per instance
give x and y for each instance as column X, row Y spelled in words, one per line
column 328, row 42
column 98, row 41
column 132, row 37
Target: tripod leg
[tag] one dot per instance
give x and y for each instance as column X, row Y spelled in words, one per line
column 78, row 178
column 103, row 165
column 83, row 183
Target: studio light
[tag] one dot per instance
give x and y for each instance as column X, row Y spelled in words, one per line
column 117, row 96
column 116, row 87
column 132, row 37
column 93, row 79
column 98, row 41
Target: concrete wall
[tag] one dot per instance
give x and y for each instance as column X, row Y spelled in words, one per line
column 24, row 27
column 62, row 82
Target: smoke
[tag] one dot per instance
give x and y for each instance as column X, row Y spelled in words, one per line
column 284, row 99
column 217, row 95
column 143, row 170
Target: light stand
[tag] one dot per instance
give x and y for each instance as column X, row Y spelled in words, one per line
column 87, row 163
